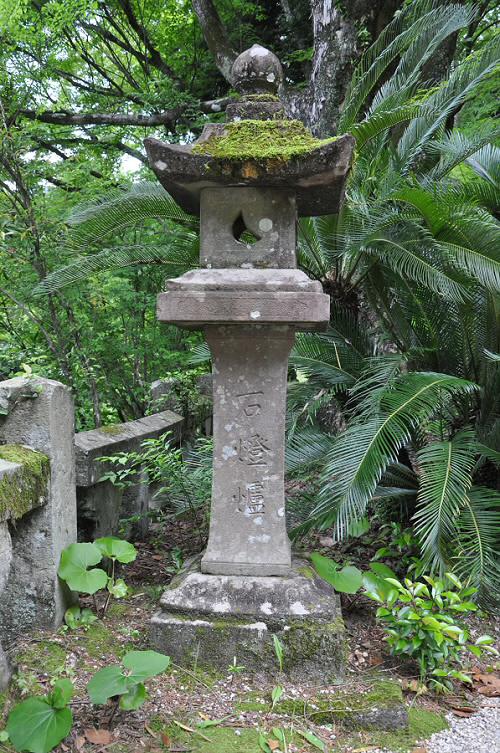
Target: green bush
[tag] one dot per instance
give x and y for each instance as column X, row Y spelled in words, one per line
column 423, row 622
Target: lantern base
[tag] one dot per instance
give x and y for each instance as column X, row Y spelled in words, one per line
column 208, row 620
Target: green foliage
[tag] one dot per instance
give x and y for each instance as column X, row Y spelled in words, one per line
column 345, row 580
column 127, row 682
column 39, row 724
column 423, row 622
column 73, row 569
column 74, row 566
column 75, row 617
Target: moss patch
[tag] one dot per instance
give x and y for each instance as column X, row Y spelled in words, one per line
column 44, row 654
column 111, row 429
column 261, row 139
column 422, row 724
column 227, row 740
column 100, row 640
column 21, row 492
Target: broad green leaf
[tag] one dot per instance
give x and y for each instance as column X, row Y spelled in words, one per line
column 374, row 584
column 276, row 694
column 106, row 683
column 313, row 739
column 145, row 664
column 348, row 580
column 75, row 561
column 36, row 726
column 118, row 589
column 325, row 567
column 382, row 570
column 117, row 549
column 134, row 697
column 62, row 693
column 485, row 640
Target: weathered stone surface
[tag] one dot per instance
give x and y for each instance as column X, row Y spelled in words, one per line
column 375, row 704
column 317, row 178
column 99, row 510
column 5, row 554
column 5, row 670
column 267, row 214
column 257, row 70
column 247, row 524
column 245, row 281
column 244, row 296
column 163, row 395
column 24, row 477
column 108, row 440
column 41, row 418
column 211, row 619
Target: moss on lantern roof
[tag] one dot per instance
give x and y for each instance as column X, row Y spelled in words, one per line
column 261, row 139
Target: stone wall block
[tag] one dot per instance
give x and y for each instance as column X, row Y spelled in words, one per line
column 40, row 417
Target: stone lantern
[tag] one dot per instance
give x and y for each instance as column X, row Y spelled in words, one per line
column 249, row 179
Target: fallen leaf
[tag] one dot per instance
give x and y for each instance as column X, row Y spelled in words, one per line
column 374, row 661
column 466, row 712
column 166, row 740
column 487, row 679
column 98, row 736
column 419, row 750
column 362, row 750
column 152, row 732
column 490, row 691
column 273, row 744
column 79, row 742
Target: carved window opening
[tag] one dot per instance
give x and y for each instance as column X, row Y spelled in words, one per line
column 242, row 233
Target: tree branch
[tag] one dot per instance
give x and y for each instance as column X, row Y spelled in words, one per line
column 215, row 36
column 167, row 118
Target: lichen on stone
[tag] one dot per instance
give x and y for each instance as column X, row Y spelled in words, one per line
column 111, row 429
column 23, row 491
column 261, row 140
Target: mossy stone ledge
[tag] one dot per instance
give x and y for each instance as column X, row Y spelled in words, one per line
column 24, row 486
column 260, row 140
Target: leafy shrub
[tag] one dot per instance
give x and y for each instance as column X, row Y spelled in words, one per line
column 126, row 682
column 422, row 622
column 38, row 724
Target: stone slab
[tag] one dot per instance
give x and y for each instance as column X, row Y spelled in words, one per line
column 126, row 437
column 5, row 670
column 244, row 280
column 24, row 484
column 304, row 310
column 208, row 620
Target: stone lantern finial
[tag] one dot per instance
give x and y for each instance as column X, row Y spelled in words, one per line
column 257, row 71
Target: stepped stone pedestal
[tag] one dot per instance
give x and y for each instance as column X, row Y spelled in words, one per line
column 249, row 299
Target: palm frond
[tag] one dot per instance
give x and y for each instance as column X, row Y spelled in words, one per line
column 121, row 209
column 478, row 547
column 180, row 255
column 306, row 449
column 417, row 20
column 445, row 470
column 448, row 97
column 359, row 456
column 199, row 354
